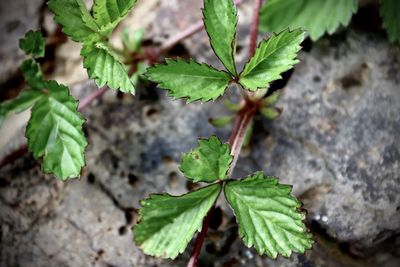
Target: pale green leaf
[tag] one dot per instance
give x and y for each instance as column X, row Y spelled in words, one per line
column 75, row 19
column 32, row 73
column 221, row 121
column 390, row 13
column 208, row 162
column 268, row 215
column 220, row 20
column 132, row 40
column 22, row 102
column 315, row 16
column 33, row 44
column 108, row 13
column 270, row 113
column 103, row 66
column 55, row 133
column 189, row 80
column 271, row 58
column 167, row 223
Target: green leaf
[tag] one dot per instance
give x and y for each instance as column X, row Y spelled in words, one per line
column 268, row 215
column 75, row 19
column 270, row 113
column 103, row 66
column 208, row 162
column 271, row 99
column 22, row 102
column 271, row 58
column 108, row 13
column 32, row 73
column 33, row 43
column 221, row 121
column 55, row 132
column 189, row 80
column 390, row 13
column 167, row 223
column 220, row 20
column 315, row 16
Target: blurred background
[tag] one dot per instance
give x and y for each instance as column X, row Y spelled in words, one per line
column 337, row 142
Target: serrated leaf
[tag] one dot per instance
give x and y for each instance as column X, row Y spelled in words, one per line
column 33, row 44
column 190, row 80
column 167, row 223
column 208, row 162
column 108, row 13
column 32, row 73
column 271, row 58
column 55, row 133
column 220, row 20
column 268, row 215
column 75, row 19
column 390, row 13
column 103, row 66
column 315, row 16
column 22, row 102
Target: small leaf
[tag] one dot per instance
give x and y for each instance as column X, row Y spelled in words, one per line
column 132, row 40
column 271, row 58
column 55, row 133
column 271, row 99
column 22, row 102
column 248, row 134
column 32, row 73
column 268, row 215
column 220, row 121
column 220, row 20
column 208, row 162
column 390, row 13
column 315, row 16
column 33, row 44
column 270, row 113
column 103, row 66
column 108, row 13
column 189, row 80
column 75, row 19
column 167, row 223
column 233, row 106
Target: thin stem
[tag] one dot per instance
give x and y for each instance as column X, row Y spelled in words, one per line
column 254, row 27
column 86, row 101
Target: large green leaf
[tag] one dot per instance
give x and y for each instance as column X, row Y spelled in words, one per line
column 108, row 13
column 390, row 13
column 33, row 43
column 75, row 19
column 55, row 132
column 208, row 162
column 22, row 102
column 103, row 66
column 271, row 58
column 189, row 80
column 268, row 215
column 315, row 16
column 167, row 223
column 220, row 20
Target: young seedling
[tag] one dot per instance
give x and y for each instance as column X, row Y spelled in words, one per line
column 54, row 130
column 268, row 215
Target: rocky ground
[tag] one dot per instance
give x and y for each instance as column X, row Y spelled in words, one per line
column 336, row 142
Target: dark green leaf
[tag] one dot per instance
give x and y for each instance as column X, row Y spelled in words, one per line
column 189, row 80
column 271, row 58
column 55, row 133
column 390, row 13
column 33, row 44
column 208, row 162
column 315, row 16
column 268, row 215
column 32, row 73
column 220, row 20
column 167, row 223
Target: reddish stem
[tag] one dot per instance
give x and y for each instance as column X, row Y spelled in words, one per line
column 90, row 98
column 254, row 27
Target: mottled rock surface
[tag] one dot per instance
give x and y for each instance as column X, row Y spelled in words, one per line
column 335, row 142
